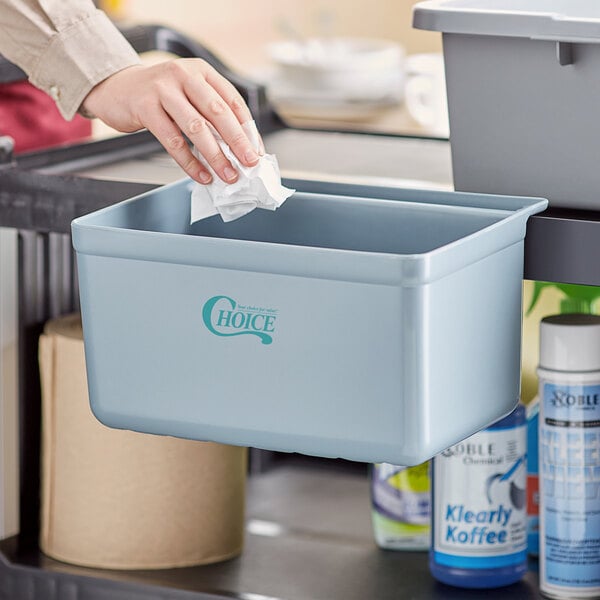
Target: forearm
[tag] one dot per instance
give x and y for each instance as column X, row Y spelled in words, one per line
column 66, row 47
column 72, row 51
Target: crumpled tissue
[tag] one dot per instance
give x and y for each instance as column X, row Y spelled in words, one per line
column 257, row 187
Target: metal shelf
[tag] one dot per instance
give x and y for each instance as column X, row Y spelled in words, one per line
column 563, row 246
column 308, row 537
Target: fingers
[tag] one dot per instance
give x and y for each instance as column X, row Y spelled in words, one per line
column 195, row 126
column 228, row 92
column 169, row 135
column 186, row 96
column 239, row 108
column 216, row 110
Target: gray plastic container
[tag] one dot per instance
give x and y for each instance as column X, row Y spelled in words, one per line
column 373, row 324
column 523, row 82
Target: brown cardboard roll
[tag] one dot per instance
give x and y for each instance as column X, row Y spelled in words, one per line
column 124, row 500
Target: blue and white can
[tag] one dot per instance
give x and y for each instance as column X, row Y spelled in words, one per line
column 569, row 454
column 479, row 528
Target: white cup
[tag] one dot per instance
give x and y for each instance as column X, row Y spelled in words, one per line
column 425, row 92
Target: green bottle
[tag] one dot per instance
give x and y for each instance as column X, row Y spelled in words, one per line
column 401, row 506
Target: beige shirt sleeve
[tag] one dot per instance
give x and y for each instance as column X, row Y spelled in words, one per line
column 66, row 47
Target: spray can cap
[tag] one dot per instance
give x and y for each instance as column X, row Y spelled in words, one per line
column 570, row 342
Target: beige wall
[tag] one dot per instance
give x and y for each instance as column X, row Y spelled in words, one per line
column 238, row 31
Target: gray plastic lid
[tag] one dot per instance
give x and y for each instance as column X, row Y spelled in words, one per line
column 557, row 20
column 570, row 342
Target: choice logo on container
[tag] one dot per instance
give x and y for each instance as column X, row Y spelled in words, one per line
column 225, row 317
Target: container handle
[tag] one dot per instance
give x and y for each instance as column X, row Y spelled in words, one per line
column 564, row 53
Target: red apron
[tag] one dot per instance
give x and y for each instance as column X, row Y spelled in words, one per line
column 31, row 118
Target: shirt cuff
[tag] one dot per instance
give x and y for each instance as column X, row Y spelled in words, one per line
column 78, row 58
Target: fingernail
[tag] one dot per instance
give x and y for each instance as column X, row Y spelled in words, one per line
column 230, row 174
column 251, row 156
column 204, row 177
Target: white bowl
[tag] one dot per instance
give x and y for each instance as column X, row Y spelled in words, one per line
column 344, row 69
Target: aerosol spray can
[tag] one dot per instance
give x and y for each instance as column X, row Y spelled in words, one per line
column 479, row 535
column 401, row 506
column 569, row 453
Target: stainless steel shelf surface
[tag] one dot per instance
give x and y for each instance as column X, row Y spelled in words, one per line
column 308, row 537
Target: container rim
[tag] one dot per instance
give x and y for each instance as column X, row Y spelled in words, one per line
column 409, row 269
column 533, row 20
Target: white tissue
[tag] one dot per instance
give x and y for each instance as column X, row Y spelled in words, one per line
column 257, row 187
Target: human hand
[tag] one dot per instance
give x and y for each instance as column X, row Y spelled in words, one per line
column 181, row 95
